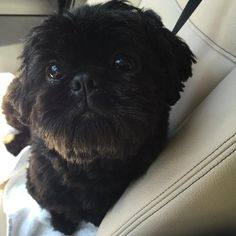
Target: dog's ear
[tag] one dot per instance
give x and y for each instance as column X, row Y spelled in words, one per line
column 17, row 102
column 15, row 115
column 20, row 95
column 175, row 56
column 13, row 105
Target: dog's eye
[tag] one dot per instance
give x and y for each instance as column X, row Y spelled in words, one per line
column 124, row 63
column 54, row 71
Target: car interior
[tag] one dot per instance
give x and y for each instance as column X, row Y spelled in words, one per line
column 191, row 187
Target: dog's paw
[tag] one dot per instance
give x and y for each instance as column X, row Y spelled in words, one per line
column 60, row 223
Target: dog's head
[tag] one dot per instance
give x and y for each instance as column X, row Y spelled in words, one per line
column 99, row 81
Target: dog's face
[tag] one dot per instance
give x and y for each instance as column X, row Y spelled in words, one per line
column 98, row 82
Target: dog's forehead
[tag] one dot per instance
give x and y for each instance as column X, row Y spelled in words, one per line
column 108, row 28
column 101, row 34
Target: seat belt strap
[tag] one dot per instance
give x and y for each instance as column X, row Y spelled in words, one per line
column 186, row 13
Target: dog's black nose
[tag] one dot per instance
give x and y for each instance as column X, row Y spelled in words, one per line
column 83, row 82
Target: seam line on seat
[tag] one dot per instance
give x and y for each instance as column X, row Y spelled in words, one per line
column 178, row 180
column 208, row 171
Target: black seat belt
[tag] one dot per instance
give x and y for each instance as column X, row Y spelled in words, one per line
column 186, row 13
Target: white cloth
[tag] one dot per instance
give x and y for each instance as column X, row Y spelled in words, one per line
column 24, row 216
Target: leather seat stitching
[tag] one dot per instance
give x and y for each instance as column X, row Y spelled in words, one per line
column 178, row 180
column 208, row 171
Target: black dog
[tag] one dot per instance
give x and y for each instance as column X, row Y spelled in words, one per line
column 94, row 97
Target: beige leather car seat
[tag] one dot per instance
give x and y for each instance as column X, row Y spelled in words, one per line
column 191, row 187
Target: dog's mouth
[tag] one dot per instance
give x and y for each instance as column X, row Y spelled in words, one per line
column 90, row 135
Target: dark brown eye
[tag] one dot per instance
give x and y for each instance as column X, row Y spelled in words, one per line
column 54, row 71
column 124, row 63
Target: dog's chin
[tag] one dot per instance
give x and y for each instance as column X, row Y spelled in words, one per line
column 90, row 136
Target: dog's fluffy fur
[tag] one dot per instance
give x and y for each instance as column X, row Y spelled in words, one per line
column 91, row 141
